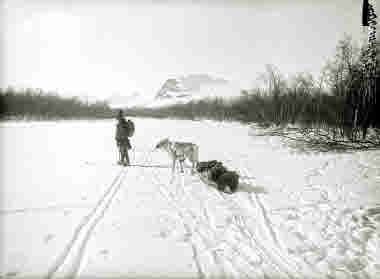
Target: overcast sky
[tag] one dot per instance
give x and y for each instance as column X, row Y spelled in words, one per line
column 99, row 48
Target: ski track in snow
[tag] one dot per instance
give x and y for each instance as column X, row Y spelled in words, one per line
column 82, row 227
column 73, row 252
column 78, row 258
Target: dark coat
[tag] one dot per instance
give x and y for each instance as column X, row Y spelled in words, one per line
column 122, row 133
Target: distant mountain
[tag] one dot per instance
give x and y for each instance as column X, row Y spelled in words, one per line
column 193, row 87
column 182, row 86
column 178, row 90
column 169, row 87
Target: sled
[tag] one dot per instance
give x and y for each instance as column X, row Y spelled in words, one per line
column 214, row 173
column 204, row 177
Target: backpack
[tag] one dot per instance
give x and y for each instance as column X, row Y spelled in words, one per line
column 124, row 130
column 130, row 128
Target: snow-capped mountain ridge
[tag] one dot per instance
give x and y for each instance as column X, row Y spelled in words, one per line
column 190, row 83
column 193, row 87
column 182, row 89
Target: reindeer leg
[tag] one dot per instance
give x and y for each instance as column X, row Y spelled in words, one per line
column 193, row 167
column 173, row 171
column 173, row 166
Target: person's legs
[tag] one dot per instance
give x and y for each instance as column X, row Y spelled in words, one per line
column 122, row 151
column 126, row 157
column 119, row 153
column 124, row 154
column 127, row 148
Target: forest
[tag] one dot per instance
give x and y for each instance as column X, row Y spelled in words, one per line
column 35, row 104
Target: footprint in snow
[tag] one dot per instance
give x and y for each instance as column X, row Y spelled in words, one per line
column 164, row 234
column 116, row 227
column 161, row 234
column 104, row 252
column 48, row 237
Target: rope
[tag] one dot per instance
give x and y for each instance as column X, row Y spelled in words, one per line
column 149, row 166
column 148, row 155
column 144, row 165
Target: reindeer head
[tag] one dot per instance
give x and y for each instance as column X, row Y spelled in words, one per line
column 162, row 144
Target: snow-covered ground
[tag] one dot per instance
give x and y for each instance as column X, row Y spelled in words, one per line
column 68, row 211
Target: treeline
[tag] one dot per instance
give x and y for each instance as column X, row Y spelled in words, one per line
column 299, row 107
column 36, row 104
column 338, row 101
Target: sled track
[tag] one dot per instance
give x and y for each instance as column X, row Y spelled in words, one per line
column 242, row 223
column 252, row 240
column 275, row 251
column 74, row 250
column 272, row 250
column 228, row 256
column 170, row 198
column 199, row 229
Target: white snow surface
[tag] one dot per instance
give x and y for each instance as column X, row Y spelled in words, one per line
column 69, row 211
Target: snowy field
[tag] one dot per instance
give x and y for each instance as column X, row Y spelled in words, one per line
column 68, row 211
